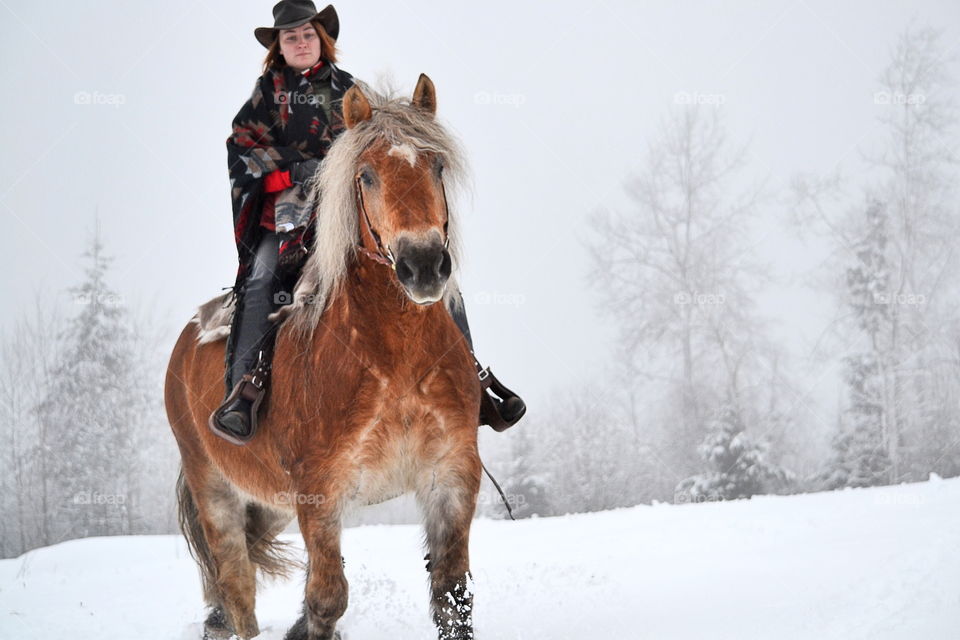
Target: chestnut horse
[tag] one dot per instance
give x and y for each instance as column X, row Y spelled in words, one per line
column 374, row 392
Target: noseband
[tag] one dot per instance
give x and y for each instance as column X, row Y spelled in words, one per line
column 385, row 256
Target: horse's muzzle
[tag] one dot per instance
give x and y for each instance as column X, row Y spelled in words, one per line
column 423, row 269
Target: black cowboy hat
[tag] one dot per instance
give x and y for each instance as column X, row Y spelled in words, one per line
column 288, row 14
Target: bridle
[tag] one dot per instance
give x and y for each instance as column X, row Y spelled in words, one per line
column 385, row 256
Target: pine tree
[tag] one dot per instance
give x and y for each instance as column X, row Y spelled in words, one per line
column 859, row 456
column 91, row 413
column 527, row 489
column 861, row 447
column 868, row 280
column 738, row 465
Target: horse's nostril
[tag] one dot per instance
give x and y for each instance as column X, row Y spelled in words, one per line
column 404, row 272
column 445, row 264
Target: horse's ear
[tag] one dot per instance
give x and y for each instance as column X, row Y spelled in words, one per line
column 425, row 96
column 356, row 107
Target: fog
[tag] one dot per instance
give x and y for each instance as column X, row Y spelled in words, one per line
column 553, row 102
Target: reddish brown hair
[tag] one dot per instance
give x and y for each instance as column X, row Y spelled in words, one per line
column 328, row 49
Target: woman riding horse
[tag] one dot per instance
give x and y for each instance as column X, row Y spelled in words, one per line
column 279, row 138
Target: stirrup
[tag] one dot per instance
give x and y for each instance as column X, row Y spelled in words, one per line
column 489, row 414
column 252, row 387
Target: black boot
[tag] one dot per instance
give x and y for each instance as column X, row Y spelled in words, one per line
column 500, row 411
column 236, row 419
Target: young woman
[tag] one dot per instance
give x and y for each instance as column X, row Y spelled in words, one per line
column 279, row 137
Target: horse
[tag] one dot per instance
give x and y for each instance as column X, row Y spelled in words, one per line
column 374, row 391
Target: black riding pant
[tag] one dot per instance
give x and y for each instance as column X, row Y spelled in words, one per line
column 259, row 300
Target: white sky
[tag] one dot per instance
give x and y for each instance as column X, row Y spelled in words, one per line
column 554, row 102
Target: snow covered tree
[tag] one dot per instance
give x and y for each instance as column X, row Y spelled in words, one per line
column 526, row 480
column 27, row 358
column 903, row 287
column 738, row 465
column 868, row 279
column 578, row 456
column 860, row 457
column 919, row 189
column 861, row 449
column 922, row 167
column 84, row 442
column 91, row 414
column 677, row 271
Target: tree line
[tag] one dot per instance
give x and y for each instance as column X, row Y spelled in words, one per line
column 700, row 402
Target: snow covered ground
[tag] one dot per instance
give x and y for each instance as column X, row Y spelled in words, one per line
column 873, row 563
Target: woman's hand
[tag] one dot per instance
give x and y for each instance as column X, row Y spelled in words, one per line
column 301, row 172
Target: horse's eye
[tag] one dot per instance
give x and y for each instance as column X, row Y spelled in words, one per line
column 366, row 178
column 439, row 167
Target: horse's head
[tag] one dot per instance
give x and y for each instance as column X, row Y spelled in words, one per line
column 384, row 183
column 401, row 202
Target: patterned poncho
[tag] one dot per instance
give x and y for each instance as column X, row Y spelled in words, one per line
column 289, row 118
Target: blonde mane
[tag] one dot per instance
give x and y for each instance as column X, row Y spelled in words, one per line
column 398, row 122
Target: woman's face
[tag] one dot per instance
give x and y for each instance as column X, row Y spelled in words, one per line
column 300, row 46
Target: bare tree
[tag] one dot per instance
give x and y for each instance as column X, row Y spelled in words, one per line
column 675, row 271
column 920, row 168
column 28, row 356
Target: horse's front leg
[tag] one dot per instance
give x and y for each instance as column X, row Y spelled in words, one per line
column 447, row 495
column 326, row 591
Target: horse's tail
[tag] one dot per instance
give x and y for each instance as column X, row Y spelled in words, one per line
column 189, row 518
column 273, row 556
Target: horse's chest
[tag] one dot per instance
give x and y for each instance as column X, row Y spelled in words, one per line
column 392, row 448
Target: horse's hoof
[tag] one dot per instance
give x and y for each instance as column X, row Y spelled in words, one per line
column 299, row 632
column 248, row 628
column 216, row 627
